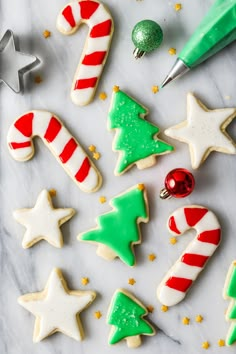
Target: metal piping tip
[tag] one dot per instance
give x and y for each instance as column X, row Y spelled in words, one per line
column 177, row 70
column 167, row 80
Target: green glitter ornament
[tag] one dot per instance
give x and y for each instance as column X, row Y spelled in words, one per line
column 147, row 35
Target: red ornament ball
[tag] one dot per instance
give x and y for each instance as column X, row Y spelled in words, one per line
column 179, row 183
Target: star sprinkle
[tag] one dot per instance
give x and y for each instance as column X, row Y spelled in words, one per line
column 164, row 308
column 178, row 7
column 150, row 308
column 155, row 89
column 221, row 342
column 97, row 314
column 151, row 257
column 185, row 321
column 172, row 51
column 173, row 240
column 43, row 222
column 102, row 96
column 204, row 130
column 46, row 34
column 96, row 155
column 57, row 308
column 131, row 281
column 102, row 199
column 92, row 148
column 205, row 345
column 84, row 281
column 199, row 318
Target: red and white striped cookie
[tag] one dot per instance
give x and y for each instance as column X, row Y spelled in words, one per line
column 60, row 142
column 181, row 276
column 96, row 48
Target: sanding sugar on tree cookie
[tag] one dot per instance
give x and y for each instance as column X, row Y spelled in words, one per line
column 136, row 138
column 229, row 292
column 118, row 230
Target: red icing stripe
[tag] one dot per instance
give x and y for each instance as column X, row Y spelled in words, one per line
column 102, row 29
column 95, row 58
column 53, row 129
column 85, row 83
column 195, row 260
column 15, row 146
column 87, row 9
column 194, row 215
column 83, row 171
column 68, row 14
column 68, row 150
column 180, row 284
column 211, row 236
column 25, row 124
column 172, row 225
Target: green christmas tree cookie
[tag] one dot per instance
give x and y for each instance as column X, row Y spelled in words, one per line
column 118, row 230
column 230, row 293
column 126, row 314
column 136, row 138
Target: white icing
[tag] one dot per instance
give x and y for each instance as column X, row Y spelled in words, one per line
column 40, row 123
column 84, row 96
column 203, row 131
column 91, row 176
column 43, row 221
column 57, row 309
column 208, row 222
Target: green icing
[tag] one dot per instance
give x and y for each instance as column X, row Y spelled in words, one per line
column 231, row 337
column 118, row 229
column 231, row 287
column 216, row 31
column 126, row 315
column 136, row 138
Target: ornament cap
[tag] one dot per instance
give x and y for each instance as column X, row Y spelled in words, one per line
column 164, row 194
column 138, row 53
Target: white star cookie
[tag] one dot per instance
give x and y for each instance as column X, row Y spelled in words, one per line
column 57, row 308
column 204, row 130
column 43, row 222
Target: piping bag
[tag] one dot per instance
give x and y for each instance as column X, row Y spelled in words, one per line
column 216, row 31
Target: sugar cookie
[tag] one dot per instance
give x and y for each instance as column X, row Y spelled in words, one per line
column 204, row 130
column 136, row 138
column 229, row 292
column 126, row 314
column 118, row 230
column 57, row 308
column 43, row 221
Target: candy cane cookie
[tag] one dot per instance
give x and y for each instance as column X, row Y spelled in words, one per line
column 181, row 276
column 60, row 142
column 96, row 48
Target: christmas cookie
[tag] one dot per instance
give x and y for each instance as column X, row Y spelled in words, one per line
column 96, row 47
column 57, row 308
column 126, row 314
column 204, row 130
column 43, row 221
column 60, row 142
column 118, row 230
column 181, row 276
column 136, row 138
column 230, row 293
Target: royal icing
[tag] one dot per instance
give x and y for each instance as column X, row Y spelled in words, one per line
column 204, row 130
column 118, row 230
column 230, row 293
column 60, row 142
column 181, row 276
column 97, row 46
column 135, row 137
column 126, row 314
column 43, row 222
column 57, row 308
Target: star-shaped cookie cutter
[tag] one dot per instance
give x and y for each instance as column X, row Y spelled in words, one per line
column 12, row 59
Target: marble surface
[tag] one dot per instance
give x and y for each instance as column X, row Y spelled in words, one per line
column 24, row 271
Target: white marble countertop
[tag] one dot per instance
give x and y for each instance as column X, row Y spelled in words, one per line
column 24, row 271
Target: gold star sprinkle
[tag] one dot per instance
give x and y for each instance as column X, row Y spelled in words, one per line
column 199, row 318
column 96, row 155
column 116, row 88
column 52, row 192
column 151, row 257
column 131, row 281
column 97, row 314
column 150, row 308
column 102, row 96
column 205, row 345
column 155, row 89
column 164, row 308
column 92, row 148
column 38, row 79
column 102, row 199
column 172, row 51
column 141, row 186
column 185, row 321
column 221, row 342
column 178, row 7
column 173, row 240
column 84, row 281
column 46, row 34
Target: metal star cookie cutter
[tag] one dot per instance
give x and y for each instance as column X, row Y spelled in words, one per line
column 13, row 63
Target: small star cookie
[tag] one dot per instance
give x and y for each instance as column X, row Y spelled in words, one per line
column 204, row 130
column 57, row 308
column 43, row 221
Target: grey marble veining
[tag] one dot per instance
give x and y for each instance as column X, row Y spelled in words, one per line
column 23, row 271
